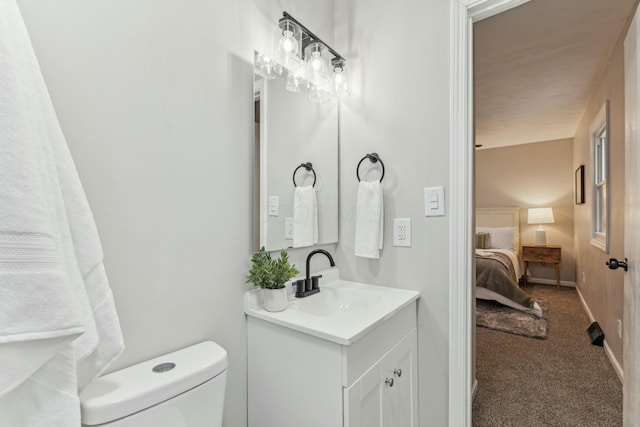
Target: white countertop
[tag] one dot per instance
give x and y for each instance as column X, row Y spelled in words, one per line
column 342, row 312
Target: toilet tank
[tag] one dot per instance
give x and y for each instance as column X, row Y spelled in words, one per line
column 181, row 389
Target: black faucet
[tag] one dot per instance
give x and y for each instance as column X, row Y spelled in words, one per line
column 310, row 285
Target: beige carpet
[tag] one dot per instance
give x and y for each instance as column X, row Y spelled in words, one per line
column 561, row 381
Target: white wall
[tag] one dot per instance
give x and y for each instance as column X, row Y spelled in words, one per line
column 398, row 56
column 155, row 98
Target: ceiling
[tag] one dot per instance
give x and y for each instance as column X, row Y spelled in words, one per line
column 537, row 65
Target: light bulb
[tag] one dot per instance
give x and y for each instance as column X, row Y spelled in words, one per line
column 339, row 85
column 288, row 48
column 317, row 69
column 316, row 63
column 287, row 43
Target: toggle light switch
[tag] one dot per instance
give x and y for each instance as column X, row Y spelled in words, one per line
column 434, row 201
column 274, row 206
column 288, row 227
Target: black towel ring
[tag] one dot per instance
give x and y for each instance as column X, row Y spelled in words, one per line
column 309, row 167
column 373, row 157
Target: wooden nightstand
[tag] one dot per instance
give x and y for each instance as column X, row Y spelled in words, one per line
column 551, row 254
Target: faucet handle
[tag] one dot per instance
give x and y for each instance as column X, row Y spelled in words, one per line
column 315, row 281
column 299, row 284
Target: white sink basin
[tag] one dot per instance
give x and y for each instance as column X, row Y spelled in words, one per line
column 338, row 299
column 341, row 312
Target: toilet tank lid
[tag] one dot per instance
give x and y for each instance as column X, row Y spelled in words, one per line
column 138, row 387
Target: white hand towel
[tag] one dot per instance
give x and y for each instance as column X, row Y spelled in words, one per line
column 52, row 282
column 369, row 220
column 305, row 217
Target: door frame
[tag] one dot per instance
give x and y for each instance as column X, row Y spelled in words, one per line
column 462, row 204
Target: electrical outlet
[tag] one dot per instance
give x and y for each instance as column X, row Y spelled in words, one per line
column 619, row 328
column 402, row 232
column 584, row 278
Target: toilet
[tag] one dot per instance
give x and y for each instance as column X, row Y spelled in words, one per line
column 185, row 388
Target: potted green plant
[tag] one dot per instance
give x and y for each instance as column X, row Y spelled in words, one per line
column 271, row 275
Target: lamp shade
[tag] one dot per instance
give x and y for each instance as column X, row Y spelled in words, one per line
column 317, row 65
column 540, row 216
column 288, row 48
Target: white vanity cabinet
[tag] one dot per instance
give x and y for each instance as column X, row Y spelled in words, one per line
column 297, row 379
column 385, row 395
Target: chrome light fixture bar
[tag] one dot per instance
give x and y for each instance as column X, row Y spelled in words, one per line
column 306, row 57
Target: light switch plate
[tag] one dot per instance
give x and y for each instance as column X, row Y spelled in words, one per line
column 434, row 201
column 274, row 206
column 288, row 227
column 402, row 232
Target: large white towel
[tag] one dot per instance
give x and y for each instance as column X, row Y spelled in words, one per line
column 305, row 217
column 58, row 324
column 369, row 220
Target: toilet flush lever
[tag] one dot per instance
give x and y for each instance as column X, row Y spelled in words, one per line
column 163, row 367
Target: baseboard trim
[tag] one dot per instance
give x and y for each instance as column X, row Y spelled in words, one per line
column 614, row 362
column 474, row 389
column 551, row 282
column 607, row 350
column 585, row 306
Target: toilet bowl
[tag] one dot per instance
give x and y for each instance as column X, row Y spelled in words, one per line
column 181, row 389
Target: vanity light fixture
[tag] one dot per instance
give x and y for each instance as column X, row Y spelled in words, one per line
column 311, row 59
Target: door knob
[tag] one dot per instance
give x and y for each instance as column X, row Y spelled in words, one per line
column 614, row 264
column 397, row 372
column 389, row 382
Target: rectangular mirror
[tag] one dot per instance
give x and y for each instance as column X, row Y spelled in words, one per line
column 291, row 131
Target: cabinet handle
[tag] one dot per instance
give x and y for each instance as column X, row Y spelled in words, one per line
column 389, row 382
column 397, row 372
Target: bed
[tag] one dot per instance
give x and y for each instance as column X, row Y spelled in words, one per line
column 499, row 265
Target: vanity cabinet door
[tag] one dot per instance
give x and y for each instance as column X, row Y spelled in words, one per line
column 404, row 393
column 363, row 400
column 386, row 395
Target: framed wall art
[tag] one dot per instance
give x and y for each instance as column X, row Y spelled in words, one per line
column 580, row 185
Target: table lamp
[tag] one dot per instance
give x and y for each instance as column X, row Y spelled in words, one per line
column 540, row 216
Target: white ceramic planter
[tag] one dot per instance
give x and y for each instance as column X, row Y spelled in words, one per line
column 275, row 299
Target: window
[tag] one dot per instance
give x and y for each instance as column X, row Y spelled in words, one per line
column 600, row 190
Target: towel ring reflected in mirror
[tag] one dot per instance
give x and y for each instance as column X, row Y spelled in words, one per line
column 309, row 167
column 373, row 158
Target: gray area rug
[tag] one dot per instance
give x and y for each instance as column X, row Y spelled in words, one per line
column 493, row 315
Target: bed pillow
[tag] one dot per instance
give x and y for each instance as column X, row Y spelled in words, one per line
column 501, row 237
column 482, row 240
